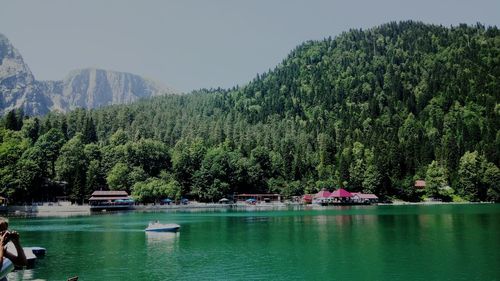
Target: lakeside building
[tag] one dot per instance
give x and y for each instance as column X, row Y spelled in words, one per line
column 110, row 200
column 307, row 198
column 364, row 197
column 322, row 197
column 258, row 197
column 420, row 184
column 341, row 197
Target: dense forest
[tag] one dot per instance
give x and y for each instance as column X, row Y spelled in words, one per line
column 369, row 110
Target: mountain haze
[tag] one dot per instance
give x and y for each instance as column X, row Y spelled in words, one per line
column 85, row 88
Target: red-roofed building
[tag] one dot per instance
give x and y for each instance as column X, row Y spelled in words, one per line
column 420, row 184
column 340, row 195
column 322, row 197
column 307, row 199
column 322, row 194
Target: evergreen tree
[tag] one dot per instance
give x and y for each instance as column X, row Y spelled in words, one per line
column 435, row 179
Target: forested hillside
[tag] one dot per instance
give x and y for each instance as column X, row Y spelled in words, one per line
column 369, row 110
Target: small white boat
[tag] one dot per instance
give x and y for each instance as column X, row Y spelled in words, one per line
column 162, row 227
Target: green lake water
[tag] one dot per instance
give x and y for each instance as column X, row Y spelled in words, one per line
column 438, row 242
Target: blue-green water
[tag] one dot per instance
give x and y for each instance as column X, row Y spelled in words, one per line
column 443, row 242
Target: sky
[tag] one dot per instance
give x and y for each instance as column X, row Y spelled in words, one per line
column 188, row 44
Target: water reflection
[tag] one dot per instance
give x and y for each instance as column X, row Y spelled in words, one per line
column 162, row 237
column 22, row 275
column 161, row 256
column 384, row 243
column 160, row 242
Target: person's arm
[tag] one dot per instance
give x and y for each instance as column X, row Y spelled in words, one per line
column 1, row 249
column 20, row 259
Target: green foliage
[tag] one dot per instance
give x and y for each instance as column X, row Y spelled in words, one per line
column 435, row 179
column 286, row 189
column 50, row 143
column 89, row 131
column 407, row 191
column 14, row 120
column 94, row 178
column 491, row 178
column 369, row 110
column 155, row 189
column 118, row 177
column 469, row 176
column 11, row 150
column 186, row 160
column 118, row 138
column 328, row 184
column 71, row 166
column 212, row 181
column 29, row 180
column 151, row 155
column 31, row 129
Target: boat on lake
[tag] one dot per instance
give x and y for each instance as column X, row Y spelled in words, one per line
column 162, row 227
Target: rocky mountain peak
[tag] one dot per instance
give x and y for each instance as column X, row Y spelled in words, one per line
column 85, row 88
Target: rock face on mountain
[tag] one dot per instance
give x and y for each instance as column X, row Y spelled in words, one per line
column 18, row 87
column 91, row 88
column 85, row 88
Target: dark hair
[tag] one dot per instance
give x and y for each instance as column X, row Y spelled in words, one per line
column 4, row 220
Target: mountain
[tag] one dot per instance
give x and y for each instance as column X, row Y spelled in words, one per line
column 369, row 110
column 92, row 88
column 85, row 88
column 18, row 87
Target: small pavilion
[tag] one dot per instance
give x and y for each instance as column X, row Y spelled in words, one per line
column 322, row 196
column 340, row 195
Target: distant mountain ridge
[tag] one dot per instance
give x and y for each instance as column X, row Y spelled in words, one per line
column 84, row 88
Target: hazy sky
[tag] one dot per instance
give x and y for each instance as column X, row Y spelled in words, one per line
column 190, row 44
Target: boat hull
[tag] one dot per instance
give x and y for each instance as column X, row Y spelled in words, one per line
column 163, row 228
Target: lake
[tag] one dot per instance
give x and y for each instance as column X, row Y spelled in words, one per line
column 411, row 242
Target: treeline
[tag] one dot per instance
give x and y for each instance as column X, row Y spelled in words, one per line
column 370, row 110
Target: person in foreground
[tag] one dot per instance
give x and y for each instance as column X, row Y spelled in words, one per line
column 6, row 236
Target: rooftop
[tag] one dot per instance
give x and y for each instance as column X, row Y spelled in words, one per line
column 420, row 183
column 110, row 193
column 365, row 195
column 341, row 193
column 104, row 198
column 323, row 194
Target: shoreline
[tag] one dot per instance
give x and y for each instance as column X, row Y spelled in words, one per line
column 77, row 210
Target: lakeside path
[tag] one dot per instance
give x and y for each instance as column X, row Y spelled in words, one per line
column 78, row 210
